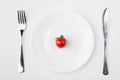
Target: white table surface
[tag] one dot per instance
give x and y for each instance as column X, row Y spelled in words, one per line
column 91, row 9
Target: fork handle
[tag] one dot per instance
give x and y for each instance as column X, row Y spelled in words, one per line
column 21, row 58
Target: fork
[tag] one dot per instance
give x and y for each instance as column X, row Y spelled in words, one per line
column 22, row 23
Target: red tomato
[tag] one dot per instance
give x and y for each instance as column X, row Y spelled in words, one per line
column 60, row 41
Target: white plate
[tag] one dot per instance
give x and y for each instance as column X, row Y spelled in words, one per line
column 77, row 31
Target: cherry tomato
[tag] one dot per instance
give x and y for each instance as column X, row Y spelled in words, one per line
column 60, row 41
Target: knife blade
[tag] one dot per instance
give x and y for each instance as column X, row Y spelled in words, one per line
column 105, row 33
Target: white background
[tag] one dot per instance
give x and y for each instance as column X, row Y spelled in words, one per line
column 91, row 9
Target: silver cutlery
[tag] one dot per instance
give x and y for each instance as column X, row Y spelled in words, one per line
column 105, row 20
column 22, row 23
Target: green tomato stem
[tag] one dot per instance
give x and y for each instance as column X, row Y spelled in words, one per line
column 61, row 37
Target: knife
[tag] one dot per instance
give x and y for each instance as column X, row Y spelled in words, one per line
column 105, row 33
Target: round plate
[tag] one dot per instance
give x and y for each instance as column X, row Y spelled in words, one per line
column 77, row 31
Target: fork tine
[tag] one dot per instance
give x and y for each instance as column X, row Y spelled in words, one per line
column 24, row 16
column 21, row 17
column 18, row 16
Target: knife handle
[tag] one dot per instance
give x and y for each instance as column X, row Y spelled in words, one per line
column 105, row 67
